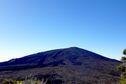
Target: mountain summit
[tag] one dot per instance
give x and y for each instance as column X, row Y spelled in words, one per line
column 69, row 64
column 66, row 56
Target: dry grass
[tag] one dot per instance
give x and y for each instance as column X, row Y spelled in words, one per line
column 26, row 81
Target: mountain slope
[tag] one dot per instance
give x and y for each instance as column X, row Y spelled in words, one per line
column 69, row 66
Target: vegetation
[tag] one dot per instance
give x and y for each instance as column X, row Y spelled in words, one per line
column 9, row 82
column 28, row 81
column 122, row 68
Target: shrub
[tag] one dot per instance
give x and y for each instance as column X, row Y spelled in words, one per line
column 122, row 68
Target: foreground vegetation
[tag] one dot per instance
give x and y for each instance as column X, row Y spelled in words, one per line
column 30, row 81
column 122, row 68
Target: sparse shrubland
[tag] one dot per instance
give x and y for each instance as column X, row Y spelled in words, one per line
column 28, row 81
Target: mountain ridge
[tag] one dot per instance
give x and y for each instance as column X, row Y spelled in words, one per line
column 56, row 50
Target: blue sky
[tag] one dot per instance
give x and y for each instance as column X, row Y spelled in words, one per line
column 31, row 26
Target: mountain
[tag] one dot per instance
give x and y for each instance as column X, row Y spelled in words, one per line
column 63, row 66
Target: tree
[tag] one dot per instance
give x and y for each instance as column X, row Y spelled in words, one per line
column 122, row 69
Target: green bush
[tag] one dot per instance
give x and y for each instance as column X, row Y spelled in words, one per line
column 123, row 58
column 124, row 51
column 121, row 68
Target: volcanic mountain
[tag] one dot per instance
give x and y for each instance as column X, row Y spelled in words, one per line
column 63, row 66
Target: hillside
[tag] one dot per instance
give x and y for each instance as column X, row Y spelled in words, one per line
column 63, row 66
